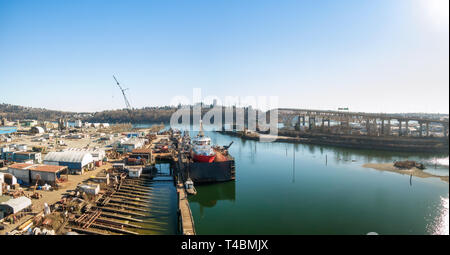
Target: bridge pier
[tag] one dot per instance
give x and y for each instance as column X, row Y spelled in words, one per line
column 389, row 131
column 368, row 126
column 406, row 128
column 312, row 122
column 376, row 124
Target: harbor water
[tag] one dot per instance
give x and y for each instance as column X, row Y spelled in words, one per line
column 320, row 190
column 161, row 218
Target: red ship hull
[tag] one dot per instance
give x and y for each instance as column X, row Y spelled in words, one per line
column 204, row 159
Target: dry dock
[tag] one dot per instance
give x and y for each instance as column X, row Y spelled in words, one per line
column 116, row 198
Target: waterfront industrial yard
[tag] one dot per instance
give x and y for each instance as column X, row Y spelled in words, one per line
column 224, row 127
column 97, row 196
column 101, row 198
column 156, row 202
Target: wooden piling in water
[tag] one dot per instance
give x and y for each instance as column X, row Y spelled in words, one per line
column 108, row 209
column 120, row 217
column 87, row 231
column 126, row 207
column 113, row 229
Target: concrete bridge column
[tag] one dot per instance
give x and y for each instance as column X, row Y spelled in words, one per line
column 368, row 126
column 399, row 128
column 382, row 127
column 406, row 128
column 428, row 128
column 445, row 130
column 389, row 127
column 420, row 129
column 312, row 122
column 349, row 130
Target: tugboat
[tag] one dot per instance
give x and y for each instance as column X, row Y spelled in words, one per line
column 201, row 148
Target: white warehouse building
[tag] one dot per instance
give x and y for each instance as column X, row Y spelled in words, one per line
column 76, row 161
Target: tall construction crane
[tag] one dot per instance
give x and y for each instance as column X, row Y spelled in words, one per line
column 127, row 103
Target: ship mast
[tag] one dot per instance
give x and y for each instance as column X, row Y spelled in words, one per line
column 200, row 133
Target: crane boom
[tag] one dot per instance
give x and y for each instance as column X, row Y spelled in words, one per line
column 127, row 103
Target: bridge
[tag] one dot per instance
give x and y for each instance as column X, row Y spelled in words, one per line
column 375, row 124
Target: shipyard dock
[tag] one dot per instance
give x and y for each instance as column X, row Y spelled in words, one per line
column 133, row 188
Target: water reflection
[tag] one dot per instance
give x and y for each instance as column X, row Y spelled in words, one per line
column 324, row 191
column 209, row 195
column 439, row 225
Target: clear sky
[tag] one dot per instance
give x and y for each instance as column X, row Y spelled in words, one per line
column 374, row 55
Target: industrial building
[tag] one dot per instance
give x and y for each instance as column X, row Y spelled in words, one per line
column 26, row 156
column 97, row 154
column 131, row 144
column 76, row 161
column 78, row 124
column 142, row 153
column 28, row 123
column 20, row 156
column 31, row 173
column 7, row 178
column 134, row 171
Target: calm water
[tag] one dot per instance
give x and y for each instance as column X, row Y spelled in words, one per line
column 161, row 218
column 325, row 190
column 7, row 130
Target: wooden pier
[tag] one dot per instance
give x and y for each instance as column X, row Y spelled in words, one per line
column 186, row 220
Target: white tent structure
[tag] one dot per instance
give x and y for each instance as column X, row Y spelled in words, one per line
column 72, row 159
column 37, row 130
column 14, row 205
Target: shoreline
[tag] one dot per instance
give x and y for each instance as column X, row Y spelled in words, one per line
column 403, row 144
column 389, row 167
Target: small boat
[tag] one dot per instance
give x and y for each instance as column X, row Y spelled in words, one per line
column 189, row 186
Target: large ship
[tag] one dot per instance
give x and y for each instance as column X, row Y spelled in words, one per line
column 202, row 149
column 205, row 162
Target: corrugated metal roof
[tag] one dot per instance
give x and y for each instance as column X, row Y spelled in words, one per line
column 26, row 152
column 38, row 167
column 20, row 166
column 47, row 168
column 69, row 156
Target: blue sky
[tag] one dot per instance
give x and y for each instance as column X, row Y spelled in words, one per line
column 377, row 55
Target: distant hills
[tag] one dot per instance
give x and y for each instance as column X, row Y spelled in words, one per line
column 14, row 112
column 143, row 115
